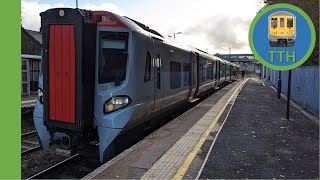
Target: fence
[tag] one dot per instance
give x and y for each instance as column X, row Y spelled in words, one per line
column 304, row 86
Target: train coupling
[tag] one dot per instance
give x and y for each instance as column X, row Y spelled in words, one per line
column 61, row 139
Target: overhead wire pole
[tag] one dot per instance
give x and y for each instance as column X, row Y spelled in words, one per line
column 174, row 34
column 288, row 95
column 279, row 85
column 77, row 4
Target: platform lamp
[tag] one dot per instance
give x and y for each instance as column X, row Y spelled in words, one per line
column 174, row 34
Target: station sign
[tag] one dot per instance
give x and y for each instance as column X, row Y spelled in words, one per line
column 282, row 36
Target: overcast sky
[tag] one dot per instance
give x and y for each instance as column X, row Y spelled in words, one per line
column 213, row 25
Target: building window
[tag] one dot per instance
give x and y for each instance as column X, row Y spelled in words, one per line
column 24, row 77
column 175, row 75
column 34, row 75
column 147, row 68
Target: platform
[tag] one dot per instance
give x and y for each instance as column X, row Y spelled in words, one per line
column 28, row 101
column 238, row 132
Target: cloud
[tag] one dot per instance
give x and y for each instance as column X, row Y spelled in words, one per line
column 206, row 24
column 31, row 13
column 105, row 7
column 222, row 32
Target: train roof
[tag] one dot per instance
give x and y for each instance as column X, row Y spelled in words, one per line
column 144, row 29
column 281, row 13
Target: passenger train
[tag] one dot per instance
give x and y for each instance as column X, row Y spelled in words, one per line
column 103, row 74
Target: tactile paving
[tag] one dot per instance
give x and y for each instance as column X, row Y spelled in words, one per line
column 170, row 162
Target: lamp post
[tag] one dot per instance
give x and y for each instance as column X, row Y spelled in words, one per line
column 174, row 34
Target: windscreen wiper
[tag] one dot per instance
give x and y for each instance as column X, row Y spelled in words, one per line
column 118, row 81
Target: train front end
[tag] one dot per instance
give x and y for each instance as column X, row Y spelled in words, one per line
column 64, row 112
column 68, row 88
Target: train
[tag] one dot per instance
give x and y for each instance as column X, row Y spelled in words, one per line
column 103, row 74
column 282, row 29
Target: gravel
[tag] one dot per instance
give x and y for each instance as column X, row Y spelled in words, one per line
column 38, row 161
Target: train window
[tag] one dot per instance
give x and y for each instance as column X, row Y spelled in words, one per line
column 147, row 69
column 158, row 66
column 228, row 70
column 203, row 66
column 186, row 74
column 202, row 70
column 274, row 22
column 281, row 22
column 175, row 75
column 210, row 70
column 113, row 61
column 290, row 22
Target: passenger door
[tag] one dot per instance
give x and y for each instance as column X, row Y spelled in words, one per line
column 194, row 80
column 158, row 77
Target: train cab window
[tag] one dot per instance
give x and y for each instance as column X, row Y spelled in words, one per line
column 147, row 69
column 282, row 22
column 175, row 75
column 274, row 22
column 113, row 59
column 290, row 22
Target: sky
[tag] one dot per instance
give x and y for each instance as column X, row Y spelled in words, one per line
column 215, row 26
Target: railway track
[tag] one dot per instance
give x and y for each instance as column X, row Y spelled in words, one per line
column 29, row 143
column 53, row 168
column 75, row 167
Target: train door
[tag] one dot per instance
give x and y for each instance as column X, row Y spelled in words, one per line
column 217, row 74
column 225, row 72
column 221, row 68
column 158, row 77
column 194, row 80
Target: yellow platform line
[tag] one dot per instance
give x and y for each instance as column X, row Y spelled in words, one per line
column 186, row 164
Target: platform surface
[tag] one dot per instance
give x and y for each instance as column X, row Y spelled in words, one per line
column 238, row 132
column 257, row 142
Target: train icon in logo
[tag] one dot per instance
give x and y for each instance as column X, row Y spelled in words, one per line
column 282, row 29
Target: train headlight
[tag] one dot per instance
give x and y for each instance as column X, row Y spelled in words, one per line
column 116, row 103
column 40, row 95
